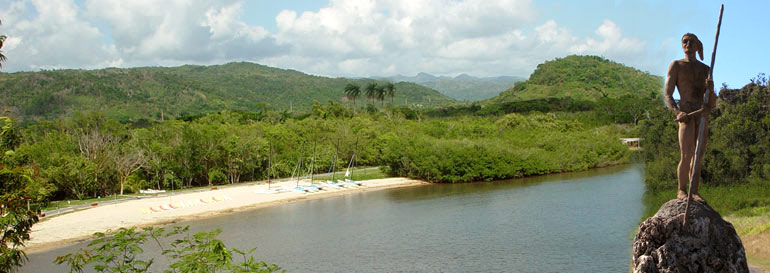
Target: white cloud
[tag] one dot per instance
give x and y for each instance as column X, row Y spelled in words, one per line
column 612, row 43
column 51, row 34
column 344, row 38
column 204, row 31
column 403, row 35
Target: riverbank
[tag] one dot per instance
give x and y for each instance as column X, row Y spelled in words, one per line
column 80, row 225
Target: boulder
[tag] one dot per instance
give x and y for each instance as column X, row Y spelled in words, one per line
column 707, row 244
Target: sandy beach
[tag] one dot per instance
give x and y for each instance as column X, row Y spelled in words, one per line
column 80, row 225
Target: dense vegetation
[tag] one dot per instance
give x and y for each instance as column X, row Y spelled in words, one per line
column 514, row 145
column 16, row 191
column 89, row 155
column 736, row 162
column 159, row 93
column 583, row 78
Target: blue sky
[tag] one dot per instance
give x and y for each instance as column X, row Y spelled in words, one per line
column 360, row 38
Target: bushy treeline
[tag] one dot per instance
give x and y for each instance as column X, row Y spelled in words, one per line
column 738, row 149
column 606, row 110
column 514, row 145
column 89, row 155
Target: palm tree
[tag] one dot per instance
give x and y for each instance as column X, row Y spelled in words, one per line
column 391, row 90
column 371, row 90
column 353, row 91
column 381, row 94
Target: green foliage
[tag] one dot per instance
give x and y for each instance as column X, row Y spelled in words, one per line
column 157, row 93
column 229, row 147
column 21, row 200
column 216, row 177
column 479, row 149
column 582, row 78
column 200, row 252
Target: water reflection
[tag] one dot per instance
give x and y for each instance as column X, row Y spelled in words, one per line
column 575, row 222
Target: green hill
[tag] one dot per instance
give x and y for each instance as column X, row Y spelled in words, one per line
column 168, row 92
column 582, row 78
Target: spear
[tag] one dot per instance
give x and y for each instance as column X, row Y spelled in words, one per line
column 701, row 128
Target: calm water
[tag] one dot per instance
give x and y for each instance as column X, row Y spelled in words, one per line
column 577, row 222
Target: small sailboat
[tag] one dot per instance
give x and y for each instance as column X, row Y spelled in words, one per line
column 269, row 190
column 297, row 187
column 349, row 173
column 330, row 181
column 310, row 173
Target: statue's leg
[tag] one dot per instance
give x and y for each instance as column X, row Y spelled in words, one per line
column 687, row 149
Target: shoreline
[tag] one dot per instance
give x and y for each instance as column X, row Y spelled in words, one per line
column 78, row 226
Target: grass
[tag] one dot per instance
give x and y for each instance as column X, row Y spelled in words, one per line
column 368, row 174
column 750, row 199
column 53, row 205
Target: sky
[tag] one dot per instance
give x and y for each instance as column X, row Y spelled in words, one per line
column 362, row 38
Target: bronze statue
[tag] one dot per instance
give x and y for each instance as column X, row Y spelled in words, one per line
column 691, row 78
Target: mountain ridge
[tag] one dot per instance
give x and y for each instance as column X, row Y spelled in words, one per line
column 460, row 87
column 167, row 92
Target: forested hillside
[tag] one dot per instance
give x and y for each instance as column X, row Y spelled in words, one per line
column 583, row 78
column 157, row 93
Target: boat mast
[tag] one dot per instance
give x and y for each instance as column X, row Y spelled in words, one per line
column 299, row 162
column 334, row 163
column 312, row 161
column 269, row 164
column 352, row 158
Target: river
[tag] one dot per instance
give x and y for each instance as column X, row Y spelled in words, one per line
column 572, row 222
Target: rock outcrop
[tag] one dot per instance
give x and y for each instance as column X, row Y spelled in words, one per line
column 707, row 244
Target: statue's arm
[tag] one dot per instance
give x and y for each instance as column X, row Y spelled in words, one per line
column 671, row 77
column 710, row 90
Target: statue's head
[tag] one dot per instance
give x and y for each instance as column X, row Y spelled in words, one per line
column 691, row 43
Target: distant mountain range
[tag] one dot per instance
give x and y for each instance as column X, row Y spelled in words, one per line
column 462, row 87
column 166, row 92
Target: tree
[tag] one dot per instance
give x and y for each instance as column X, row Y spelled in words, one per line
column 380, row 94
column 353, row 91
column 128, row 160
column 371, row 91
column 98, row 148
column 391, row 91
column 15, row 193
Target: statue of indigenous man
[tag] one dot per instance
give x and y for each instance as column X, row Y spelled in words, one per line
column 690, row 77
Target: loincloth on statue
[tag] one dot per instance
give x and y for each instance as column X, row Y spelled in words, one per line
column 688, row 107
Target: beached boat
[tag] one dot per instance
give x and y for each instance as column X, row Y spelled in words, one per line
column 349, row 172
column 333, row 184
column 300, row 189
column 269, row 191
